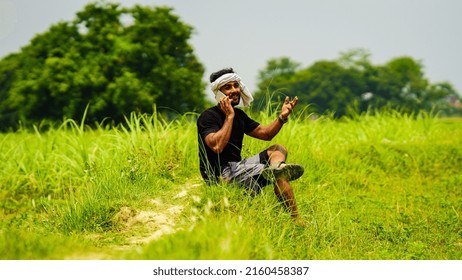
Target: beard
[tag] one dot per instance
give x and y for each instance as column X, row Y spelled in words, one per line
column 235, row 99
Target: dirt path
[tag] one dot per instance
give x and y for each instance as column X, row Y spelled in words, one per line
column 141, row 226
column 161, row 218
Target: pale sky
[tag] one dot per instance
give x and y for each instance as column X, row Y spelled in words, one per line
column 245, row 34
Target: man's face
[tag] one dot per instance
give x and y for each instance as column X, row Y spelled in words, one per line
column 233, row 91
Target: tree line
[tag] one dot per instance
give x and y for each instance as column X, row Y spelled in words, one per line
column 115, row 60
column 351, row 84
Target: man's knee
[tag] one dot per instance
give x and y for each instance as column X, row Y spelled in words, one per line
column 278, row 148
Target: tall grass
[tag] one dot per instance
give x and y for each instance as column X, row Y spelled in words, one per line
column 375, row 187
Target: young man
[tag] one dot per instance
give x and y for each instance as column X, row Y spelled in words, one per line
column 221, row 131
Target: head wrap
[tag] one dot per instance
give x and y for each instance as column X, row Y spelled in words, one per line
column 229, row 77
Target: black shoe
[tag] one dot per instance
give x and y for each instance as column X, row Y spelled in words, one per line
column 287, row 171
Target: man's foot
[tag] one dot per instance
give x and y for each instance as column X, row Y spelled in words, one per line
column 288, row 171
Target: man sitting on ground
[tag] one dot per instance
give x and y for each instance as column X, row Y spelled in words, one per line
column 221, row 131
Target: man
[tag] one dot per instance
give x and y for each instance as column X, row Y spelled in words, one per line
column 221, row 131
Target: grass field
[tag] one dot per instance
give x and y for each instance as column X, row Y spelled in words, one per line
column 375, row 187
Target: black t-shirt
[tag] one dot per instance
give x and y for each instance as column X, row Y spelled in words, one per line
column 212, row 120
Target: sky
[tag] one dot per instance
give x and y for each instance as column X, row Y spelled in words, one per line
column 245, row 34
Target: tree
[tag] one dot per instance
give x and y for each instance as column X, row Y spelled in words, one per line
column 116, row 60
column 400, row 83
column 329, row 86
column 442, row 97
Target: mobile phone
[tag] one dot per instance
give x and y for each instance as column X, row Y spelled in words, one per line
column 218, row 96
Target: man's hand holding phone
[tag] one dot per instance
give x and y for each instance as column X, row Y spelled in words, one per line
column 225, row 104
column 219, row 95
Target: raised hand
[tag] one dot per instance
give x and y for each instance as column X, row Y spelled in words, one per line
column 288, row 106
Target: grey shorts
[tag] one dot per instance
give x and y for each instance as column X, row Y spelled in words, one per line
column 247, row 172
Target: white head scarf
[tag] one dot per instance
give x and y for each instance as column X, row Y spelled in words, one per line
column 229, row 77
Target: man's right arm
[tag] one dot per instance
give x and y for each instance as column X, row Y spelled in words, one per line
column 217, row 141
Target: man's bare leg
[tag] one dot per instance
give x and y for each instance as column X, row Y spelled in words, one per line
column 282, row 188
column 284, row 193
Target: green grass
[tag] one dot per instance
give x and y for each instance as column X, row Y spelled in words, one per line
column 375, row 187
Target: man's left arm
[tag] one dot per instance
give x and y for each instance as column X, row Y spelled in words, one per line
column 267, row 132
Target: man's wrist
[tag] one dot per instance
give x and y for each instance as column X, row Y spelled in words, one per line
column 283, row 120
